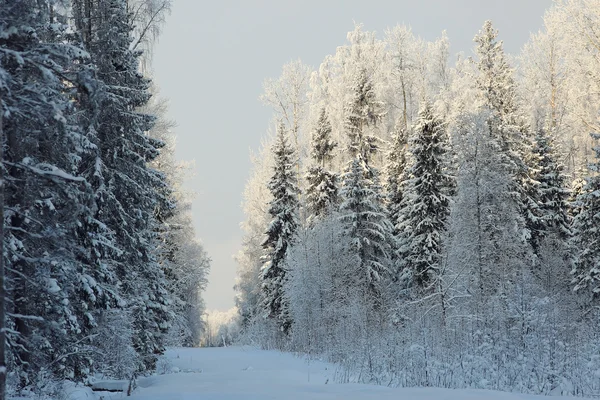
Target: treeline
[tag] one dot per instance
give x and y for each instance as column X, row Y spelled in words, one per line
column 428, row 225
column 102, row 270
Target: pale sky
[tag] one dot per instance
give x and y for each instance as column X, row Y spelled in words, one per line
column 213, row 57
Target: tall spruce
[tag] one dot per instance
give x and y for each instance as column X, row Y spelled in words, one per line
column 426, row 205
column 127, row 190
column 281, row 232
column 501, row 171
column 366, row 226
column 586, row 242
column 322, row 190
column 498, row 88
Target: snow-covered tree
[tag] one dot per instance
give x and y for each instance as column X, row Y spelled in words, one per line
column 550, row 192
column 367, row 231
column 363, row 111
column 182, row 258
column 493, row 305
column 82, row 203
column 54, row 267
column 426, row 204
column 322, row 190
column 495, row 79
column 396, row 173
column 127, row 189
column 586, row 270
column 287, row 96
column 281, row 231
column 256, row 199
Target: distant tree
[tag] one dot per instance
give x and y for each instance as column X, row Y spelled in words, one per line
column 495, row 79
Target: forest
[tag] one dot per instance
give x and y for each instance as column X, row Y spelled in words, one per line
column 415, row 217
column 100, row 269
column 425, row 219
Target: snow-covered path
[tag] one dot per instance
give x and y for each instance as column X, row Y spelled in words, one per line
column 247, row 373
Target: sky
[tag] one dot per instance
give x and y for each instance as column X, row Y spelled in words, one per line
column 213, row 56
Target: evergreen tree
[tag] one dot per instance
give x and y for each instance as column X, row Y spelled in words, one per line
column 281, row 232
column 586, row 242
column 127, row 190
column 363, row 110
column 500, row 170
column 396, row 171
column 426, row 205
column 322, row 191
column 367, row 230
column 495, row 79
column 52, row 262
column 549, row 194
column 499, row 94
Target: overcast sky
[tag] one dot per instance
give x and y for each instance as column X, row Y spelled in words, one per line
column 214, row 55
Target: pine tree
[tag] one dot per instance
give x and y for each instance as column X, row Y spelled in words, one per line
column 281, row 232
column 322, row 191
column 426, row 205
column 586, row 241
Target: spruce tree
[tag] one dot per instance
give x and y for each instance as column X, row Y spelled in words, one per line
column 281, row 232
column 426, row 204
column 396, row 172
column 322, row 191
column 367, row 228
column 549, row 193
column 127, row 189
column 52, row 264
column 495, row 79
column 499, row 94
column 363, row 110
column 501, row 171
column 368, row 232
column 586, row 241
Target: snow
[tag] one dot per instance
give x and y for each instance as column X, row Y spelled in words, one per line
column 52, row 285
column 247, row 373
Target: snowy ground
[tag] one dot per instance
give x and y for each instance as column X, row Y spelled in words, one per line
column 247, row 373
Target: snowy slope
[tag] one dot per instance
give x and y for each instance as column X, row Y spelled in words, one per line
column 247, row 373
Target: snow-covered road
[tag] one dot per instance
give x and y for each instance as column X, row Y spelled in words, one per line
column 247, row 373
